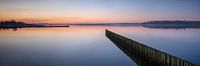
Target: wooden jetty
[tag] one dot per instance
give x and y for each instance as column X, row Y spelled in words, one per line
column 144, row 55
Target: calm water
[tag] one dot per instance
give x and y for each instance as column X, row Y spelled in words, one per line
column 88, row 45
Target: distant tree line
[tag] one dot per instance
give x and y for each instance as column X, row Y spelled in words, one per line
column 172, row 24
column 16, row 24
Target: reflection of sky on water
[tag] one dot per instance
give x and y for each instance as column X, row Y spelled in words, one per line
column 88, row 46
column 73, row 46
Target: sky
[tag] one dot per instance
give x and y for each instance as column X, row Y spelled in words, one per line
column 98, row 11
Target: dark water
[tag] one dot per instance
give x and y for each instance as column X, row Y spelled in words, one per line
column 88, row 46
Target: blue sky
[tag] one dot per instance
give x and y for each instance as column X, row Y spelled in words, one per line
column 78, row 11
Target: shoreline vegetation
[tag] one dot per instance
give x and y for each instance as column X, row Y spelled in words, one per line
column 172, row 24
column 17, row 24
column 153, row 24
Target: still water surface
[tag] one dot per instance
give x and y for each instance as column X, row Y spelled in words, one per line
column 88, row 45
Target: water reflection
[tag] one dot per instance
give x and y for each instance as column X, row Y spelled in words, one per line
column 88, row 46
column 4, row 29
column 73, row 46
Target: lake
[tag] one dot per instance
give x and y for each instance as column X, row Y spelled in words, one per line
column 88, row 45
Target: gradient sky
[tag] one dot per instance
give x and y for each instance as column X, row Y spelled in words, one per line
column 97, row 11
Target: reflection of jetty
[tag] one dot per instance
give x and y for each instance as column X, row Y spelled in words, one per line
column 144, row 55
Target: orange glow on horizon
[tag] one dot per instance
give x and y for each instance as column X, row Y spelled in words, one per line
column 97, row 11
column 74, row 20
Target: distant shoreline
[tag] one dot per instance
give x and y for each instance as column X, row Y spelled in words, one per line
column 15, row 24
column 172, row 24
column 150, row 24
column 153, row 24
